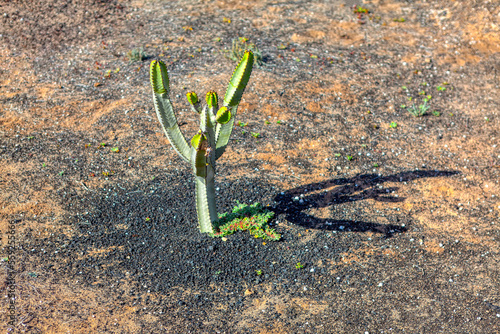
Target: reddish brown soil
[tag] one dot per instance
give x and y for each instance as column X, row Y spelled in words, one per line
column 396, row 226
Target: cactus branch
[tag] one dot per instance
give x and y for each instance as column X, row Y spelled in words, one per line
column 234, row 92
column 223, row 134
column 194, row 102
column 164, row 109
column 239, row 80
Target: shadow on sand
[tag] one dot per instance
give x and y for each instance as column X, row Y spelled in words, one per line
column 295, row 201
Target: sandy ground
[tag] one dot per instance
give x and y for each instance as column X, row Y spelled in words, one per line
column 394, row 217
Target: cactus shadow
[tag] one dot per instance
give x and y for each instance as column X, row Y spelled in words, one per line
column 292, row 203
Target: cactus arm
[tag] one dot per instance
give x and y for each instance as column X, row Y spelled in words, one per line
column 239, row 80
column 222, row 117
column 164, row 109
column 205, row 190
column 212, row 103
column 234, row 92
column 169, row 124
column 196, row 109
column 193, row 102
column 204, row 119
column 223, row 133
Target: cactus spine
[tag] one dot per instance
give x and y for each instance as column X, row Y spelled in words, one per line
column 210, row 142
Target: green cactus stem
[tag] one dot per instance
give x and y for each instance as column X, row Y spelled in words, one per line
column 193, row 101
column 223, row 115
column 165, row 111
column 210, row 142
column 234, row 92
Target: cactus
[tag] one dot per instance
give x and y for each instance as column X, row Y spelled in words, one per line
column 210, row 142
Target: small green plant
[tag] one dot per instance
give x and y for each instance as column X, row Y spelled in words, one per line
column 337, row 154
column 393, row 125
column 278, row 122
column 255, row 134
column 421, row 92
column 403, row 106
column 441, row 88
column 436, row 113
column 30, row 137
column 349, row 157
column 208, row 145
column 108, row 173
column 115, row 149
column 299, row 265
column 419, row 111
column 267, row 122
column 252, row 218
column 399, row 19
column 240, row 45
column 259, row 272
column 43, row 164
column 360, row 10
column 61, row 173
column 404, row 87
column 136, row 55
column 242, row 124
column 375, row 165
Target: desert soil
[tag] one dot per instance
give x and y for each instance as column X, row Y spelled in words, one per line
column 395, row 218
